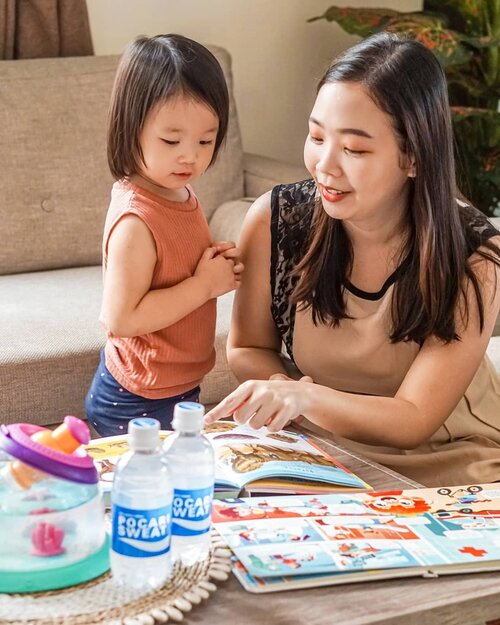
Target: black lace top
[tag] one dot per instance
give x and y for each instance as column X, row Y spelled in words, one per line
column 292, row 207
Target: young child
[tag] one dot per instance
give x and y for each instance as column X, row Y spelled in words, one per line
column 162, row 273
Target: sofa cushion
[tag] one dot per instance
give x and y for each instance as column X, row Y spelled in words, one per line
column 493, row 352
column 50, row 344
column 221, row 380
column 224, row 180
column 56, row 184
column 227, row 220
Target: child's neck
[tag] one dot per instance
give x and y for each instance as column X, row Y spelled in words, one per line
column 175, row 195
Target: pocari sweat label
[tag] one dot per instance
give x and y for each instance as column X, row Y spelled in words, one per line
column 191, row 511
column 141, row 533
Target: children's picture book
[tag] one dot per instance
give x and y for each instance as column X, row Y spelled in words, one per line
column 251, row 462
column 282, row 543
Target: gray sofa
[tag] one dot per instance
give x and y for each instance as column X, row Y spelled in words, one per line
column 55, row 189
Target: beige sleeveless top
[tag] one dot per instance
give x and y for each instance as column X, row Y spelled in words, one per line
column 358, row 357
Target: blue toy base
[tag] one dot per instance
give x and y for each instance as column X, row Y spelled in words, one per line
column 69, row 575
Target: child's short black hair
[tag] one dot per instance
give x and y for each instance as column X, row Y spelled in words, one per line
column 151, row 70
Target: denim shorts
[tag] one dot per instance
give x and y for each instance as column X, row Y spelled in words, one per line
column 109, row 406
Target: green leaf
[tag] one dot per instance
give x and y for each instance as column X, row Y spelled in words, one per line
column 445, row 44
column 363, row 22
column 480, row 43
column 459, row 113
column 469, row 10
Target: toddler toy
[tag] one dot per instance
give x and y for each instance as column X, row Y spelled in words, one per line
column 51, row 512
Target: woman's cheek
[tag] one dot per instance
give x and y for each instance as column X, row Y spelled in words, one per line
column 309, row 160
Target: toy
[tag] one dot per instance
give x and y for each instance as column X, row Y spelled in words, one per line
column 51, row 511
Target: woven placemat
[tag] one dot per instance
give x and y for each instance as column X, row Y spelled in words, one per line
column 101, row 602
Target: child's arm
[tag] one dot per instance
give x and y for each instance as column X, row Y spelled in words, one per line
column 130, row 308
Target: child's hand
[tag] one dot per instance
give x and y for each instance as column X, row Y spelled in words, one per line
column 217, row 273
column 229, row 250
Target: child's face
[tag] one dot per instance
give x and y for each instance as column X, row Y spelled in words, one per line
column 352, row 147
column 177, row 142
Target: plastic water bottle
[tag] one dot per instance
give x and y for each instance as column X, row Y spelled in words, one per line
column 191, row 459
column 141, row 506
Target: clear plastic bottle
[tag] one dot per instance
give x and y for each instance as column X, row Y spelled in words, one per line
column 191, row 459
column 141, row 506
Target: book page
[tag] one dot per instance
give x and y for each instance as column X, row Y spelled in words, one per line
column 421, row 531
column 244, row 455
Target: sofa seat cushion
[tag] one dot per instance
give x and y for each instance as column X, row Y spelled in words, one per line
column 51, row 339
column 50, row 344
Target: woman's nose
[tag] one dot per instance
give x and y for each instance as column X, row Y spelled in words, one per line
column 329, row 165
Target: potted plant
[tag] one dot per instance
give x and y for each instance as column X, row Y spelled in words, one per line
column 465, row 37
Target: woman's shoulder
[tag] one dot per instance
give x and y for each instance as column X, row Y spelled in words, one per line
column 291, row 203
column 478, row 228
column 292, row 194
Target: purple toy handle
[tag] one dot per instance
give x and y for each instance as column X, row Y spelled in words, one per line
column 16, row 440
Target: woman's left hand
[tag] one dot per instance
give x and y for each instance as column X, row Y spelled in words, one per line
column 273, row 403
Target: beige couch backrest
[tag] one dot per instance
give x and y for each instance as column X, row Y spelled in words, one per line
column 55, row 183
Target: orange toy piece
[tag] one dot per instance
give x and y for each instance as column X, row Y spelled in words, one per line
column 66, row 438
column 61, row 439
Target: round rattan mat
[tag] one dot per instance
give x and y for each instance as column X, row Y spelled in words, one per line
column 101, row 602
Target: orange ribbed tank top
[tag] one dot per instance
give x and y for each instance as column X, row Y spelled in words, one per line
column 175, row 359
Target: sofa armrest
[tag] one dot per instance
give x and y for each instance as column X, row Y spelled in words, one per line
column 226, row 222
column 262, row 173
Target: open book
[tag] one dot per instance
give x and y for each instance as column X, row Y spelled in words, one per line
column 282, row 543
column 256, row 461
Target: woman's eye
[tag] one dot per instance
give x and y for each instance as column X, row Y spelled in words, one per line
column 356, row 152
column 168, row 142
column 317, row 140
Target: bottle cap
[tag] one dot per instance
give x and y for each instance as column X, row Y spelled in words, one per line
column 188, row 417
column 143, row 434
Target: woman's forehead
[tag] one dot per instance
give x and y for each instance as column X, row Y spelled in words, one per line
column 341, row 105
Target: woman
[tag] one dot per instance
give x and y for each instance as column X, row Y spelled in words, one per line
column 383, row 284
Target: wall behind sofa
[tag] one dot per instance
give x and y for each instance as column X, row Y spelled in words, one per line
column 277, row 56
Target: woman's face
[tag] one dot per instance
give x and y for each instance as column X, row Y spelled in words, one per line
column 353, row 155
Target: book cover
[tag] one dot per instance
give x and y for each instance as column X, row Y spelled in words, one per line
column 282, row 543
column 253, row 461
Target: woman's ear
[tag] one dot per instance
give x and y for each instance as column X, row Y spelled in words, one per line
column 412, row 172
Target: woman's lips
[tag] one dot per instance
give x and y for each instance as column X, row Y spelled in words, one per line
column 332, row 195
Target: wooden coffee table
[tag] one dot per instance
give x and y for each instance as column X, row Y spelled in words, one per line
column 450, row 600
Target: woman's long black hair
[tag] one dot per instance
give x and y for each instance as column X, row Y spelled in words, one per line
column 406, row 81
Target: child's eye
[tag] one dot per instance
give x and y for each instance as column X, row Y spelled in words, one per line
column 356, row 152
column 168, row 142
column 316, row 140
column 206, row 142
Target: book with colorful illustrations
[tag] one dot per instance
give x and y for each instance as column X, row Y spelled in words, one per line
column 253, row 461
column 282, row 543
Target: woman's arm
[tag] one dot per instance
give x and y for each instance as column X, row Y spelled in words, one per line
column 254, row 345
column 129, row 307
column 434, row 384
